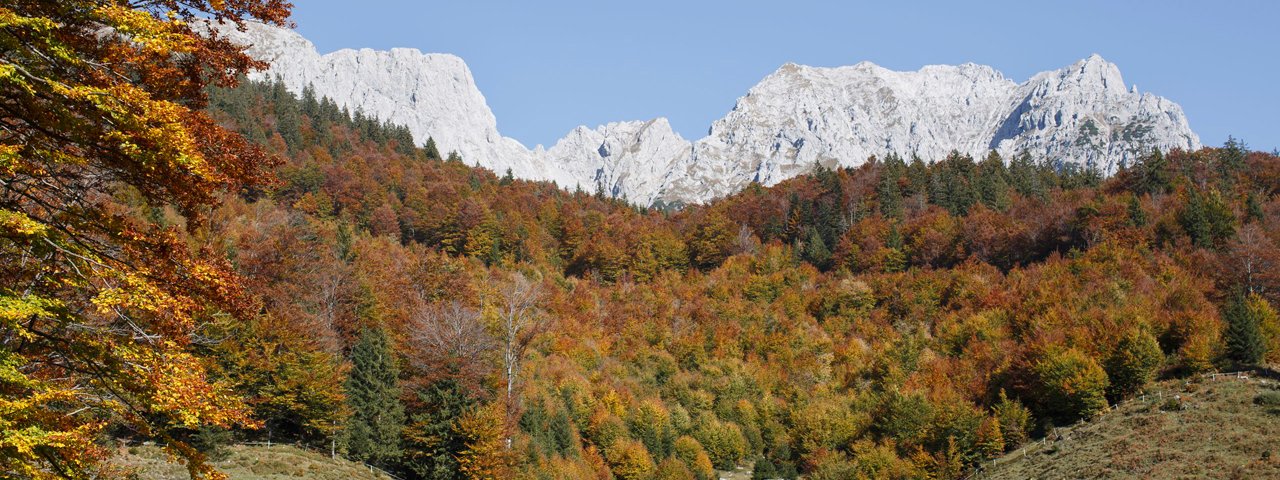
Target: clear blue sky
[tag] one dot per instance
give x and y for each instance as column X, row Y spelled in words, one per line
column 548, row 66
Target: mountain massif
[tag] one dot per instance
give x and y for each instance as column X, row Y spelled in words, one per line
column 1082, row 114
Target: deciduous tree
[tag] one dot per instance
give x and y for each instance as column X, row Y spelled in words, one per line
column 99, row 104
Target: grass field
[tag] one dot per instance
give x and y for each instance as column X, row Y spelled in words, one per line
column 244, row 462
column 1218, row 432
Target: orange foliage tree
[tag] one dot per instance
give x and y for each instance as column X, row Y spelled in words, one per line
column 99, row 120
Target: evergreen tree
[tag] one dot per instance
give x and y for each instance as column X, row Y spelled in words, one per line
column 1152, row 174
column 993, row 182
column 951, row 185
column 815, row 249
column 917, row 176
column 1244, row 341
column 895, row 258
column 430, row 149
column 433, row 442
column 1252, row 208
column 310, row 107
column 288, row 120
column 1137, row 215
column 1014, row 418
column 1025, row 176
column 888, row 193
column 377, row 417
column 1231, row 157
column 1207, row 219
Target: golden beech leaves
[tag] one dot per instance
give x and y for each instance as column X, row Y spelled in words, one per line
column 99, row 106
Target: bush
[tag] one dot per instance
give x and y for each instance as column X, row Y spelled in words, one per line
column 1268, row 399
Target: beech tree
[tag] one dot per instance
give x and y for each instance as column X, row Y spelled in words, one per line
column 1071, row 384
column 1133, row 363
column 100, row 114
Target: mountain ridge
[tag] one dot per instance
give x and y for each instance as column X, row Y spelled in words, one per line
column 795, row 117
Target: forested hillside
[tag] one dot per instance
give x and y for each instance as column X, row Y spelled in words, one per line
column 901, row 319
column 191, row 261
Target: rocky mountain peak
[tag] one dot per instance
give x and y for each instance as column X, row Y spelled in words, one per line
column 795, row 117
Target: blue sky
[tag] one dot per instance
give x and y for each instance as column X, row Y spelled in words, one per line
column 546, row 67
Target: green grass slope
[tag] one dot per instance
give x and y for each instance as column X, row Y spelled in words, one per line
column 1220, row 431
column 244, row 462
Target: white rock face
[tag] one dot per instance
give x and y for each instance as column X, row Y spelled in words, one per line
column 628, row 160
column 794, row 118
column 800, row 115
column 432, row 94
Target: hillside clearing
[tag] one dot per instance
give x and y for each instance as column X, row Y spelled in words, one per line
column 1219, row 432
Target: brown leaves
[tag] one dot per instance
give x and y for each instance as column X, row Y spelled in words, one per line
column 96, row 101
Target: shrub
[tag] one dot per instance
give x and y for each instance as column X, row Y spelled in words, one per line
column 1268, row 399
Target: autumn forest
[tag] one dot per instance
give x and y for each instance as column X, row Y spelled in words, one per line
column 196, row 260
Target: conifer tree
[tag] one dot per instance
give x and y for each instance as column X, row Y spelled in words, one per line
column 1014, row 418
column 993, row 182
column 430, row 150
column 1025, row 176
column 377, row 416
column 1243, row 338
column 1137, row 216
column 1252, row 208
column 889, row 194
column 1152, row 174
column 1207, row 219
column 815, row 249
column 433, row 441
